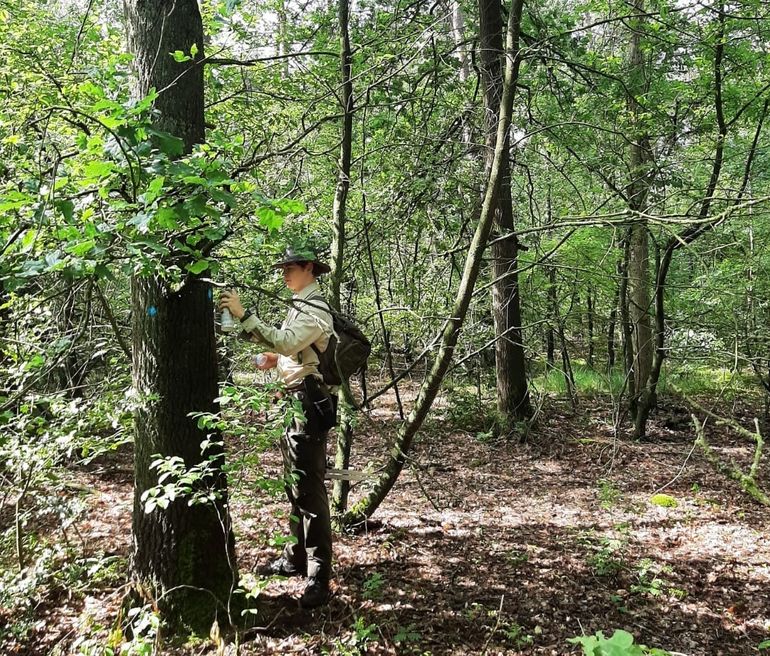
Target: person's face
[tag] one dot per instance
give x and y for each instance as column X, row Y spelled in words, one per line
column 297, row 276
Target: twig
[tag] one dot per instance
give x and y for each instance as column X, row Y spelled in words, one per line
column 423, row 490
column 497, row 626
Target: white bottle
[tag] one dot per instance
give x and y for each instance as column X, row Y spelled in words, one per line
column 226, row 322
column 260, row 359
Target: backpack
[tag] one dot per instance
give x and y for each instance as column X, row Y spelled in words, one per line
column 347, row 351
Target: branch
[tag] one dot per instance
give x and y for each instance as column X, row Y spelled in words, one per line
column 227, row 61
column 113, row 323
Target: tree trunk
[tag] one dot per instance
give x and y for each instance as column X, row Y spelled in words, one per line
column 458, row 36
column 613, row 321
column 341, row 488
column 553, row 308
column 512, row 393
column 182, row 557
column 641, row 344
column 451, row 332
column 649, row 394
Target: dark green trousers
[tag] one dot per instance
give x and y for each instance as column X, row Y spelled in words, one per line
column 304, row 462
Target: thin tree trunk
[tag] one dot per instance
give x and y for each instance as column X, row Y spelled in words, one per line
column 590, row 321
column 183, row 557
column 553, row 307
column 339, row 216
column 613, row 321
column 638, row 268
column 512, row 393
column 429, row 389
column 458, row 36
column 687, row 236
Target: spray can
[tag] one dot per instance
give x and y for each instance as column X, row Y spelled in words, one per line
column 260, row 359
column 226, row 321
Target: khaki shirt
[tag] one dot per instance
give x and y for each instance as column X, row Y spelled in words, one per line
column 306, row 323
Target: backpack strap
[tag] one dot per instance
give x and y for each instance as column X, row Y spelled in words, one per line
column 329, row 310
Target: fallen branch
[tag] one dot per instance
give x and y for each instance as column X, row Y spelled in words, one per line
column 732, row 470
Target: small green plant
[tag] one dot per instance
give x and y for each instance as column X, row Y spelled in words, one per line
column 468, row 412
column 764, row 645
column 608, row 559
column 357, row 642
column 620, row 644
column 609, row 495
column 517, row 557
column 405, row 634
column 651, row 580
column 373, row 586
column 516, row 635
column 140, row 635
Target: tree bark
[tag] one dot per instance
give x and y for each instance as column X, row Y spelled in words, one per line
column 341, row 488
column 451, row 331
column 648, row 395
column 182, row 557
column 512, row 393
column 638, row 295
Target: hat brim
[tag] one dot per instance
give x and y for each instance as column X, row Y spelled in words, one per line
column 320, row 267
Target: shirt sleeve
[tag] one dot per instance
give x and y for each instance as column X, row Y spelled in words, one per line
column 305, row 329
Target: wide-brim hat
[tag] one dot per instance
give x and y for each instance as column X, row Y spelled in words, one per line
column 293, row 255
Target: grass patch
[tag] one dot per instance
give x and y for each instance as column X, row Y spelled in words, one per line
column 588, row 381
column 691, row 380
column 697, row 380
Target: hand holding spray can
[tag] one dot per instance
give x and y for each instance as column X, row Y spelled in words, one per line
column 226, row 321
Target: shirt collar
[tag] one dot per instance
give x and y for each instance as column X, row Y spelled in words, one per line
column 307, row 291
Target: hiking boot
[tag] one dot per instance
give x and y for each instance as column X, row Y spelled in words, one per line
column 316, row 594
column 280, row 567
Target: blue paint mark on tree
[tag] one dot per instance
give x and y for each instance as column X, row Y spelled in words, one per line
column 152, row 311
column 211, row 294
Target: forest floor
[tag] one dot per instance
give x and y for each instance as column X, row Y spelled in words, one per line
column 485, row 547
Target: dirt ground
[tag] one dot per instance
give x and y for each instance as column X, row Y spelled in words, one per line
column 492, row 547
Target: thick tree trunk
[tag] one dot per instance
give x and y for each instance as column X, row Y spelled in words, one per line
column 182, row 557
column 451, row 331
column 512, row 393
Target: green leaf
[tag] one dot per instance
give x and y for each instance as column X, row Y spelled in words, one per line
column 167, row 218
column 80, row 249
column 98, row 169
column 66, row 207
column 168, row 143
column 194, row 49
column 154, row 189
column 269, row 218
column 179, row 56
column 198, row 267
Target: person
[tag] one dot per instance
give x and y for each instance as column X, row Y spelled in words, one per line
column 307, row 327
